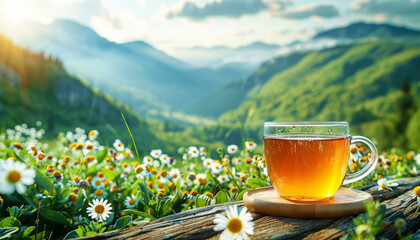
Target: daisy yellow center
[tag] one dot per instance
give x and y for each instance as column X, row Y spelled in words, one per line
column 416, row 191
column 216, row 167
column 99, row 209
column 57, row 174
column 132, row 201
column 175, row 175
column 234, row 225
column 250, row 143
column 353, row 150
column 98, row 182
column 139, row 170
column 101, row 174
column 99, row 193
column 13, row 176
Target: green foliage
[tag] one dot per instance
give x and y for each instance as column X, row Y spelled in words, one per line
column 369, row 224
column 256, row 183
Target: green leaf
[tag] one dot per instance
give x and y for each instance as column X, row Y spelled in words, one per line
column 241, row 194
column 80, row 201
column 110, row 219
column 71, row 235
column 64, row 195
column 109, row 173
column 138, row 213
column 28, row 231
column 122, row 222
column 43, row 181
column 256, row 183
column 356, row 185
column 10, row 222
column 102, row 155
column 200, row 202
column 54, row 216
column 145, row 193
column 7, row 232
column 221, row 197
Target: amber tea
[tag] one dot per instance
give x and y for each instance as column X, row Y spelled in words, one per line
column 308, row 161
column 314, row 166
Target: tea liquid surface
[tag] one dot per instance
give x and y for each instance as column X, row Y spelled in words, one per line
column 306, row 167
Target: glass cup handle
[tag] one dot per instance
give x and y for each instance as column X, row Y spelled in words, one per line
column 369, row 167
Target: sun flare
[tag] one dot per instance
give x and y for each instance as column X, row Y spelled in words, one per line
column 13, row 11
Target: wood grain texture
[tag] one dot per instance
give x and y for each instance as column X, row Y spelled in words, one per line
column 198, row 223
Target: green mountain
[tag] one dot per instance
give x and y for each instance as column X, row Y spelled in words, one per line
column 366, row 30
column 34, row 88
column 135, row 73
column 358, row 82
column 233, row 94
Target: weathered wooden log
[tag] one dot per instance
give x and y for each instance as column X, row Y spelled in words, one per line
column 198, row 223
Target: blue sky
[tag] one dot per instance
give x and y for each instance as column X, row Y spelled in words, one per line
column 170, row 24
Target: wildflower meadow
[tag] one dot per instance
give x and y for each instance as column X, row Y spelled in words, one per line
column 76, row 186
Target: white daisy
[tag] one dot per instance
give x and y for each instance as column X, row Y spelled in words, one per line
column 148, row 160
column 383, row 184
column 236, row 160
column 231, row 149
column 216, row 167
column 97, row 183
column 185, row 183
column 222, row 179
column 208, row 162
column 250, row 145
column 156, row 163
column 119, row 156
column 99, row 210
column 355, row 153
column 203, row 151
column 131, row 202
column 93, row 134
column 128, row 153
column 14, row 175
column 156, row 153
column 165, row 159
column 193, row 151
column 141, row 171
column 118, row 145
column 414, row 171
column 87, row 148
column 175, row 174
column 235, row 226
column 201, row 179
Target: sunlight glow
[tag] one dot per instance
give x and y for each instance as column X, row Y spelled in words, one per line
column 13, row 11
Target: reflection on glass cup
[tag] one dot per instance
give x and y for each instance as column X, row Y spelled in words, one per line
column 308, row 161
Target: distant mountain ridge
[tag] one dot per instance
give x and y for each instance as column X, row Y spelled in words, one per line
column 162, row 82
column 34, row 88
column 364, row 30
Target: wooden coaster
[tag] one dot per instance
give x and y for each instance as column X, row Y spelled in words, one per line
column 345, row 202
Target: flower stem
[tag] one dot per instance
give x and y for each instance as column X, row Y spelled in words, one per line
column 131, row 135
